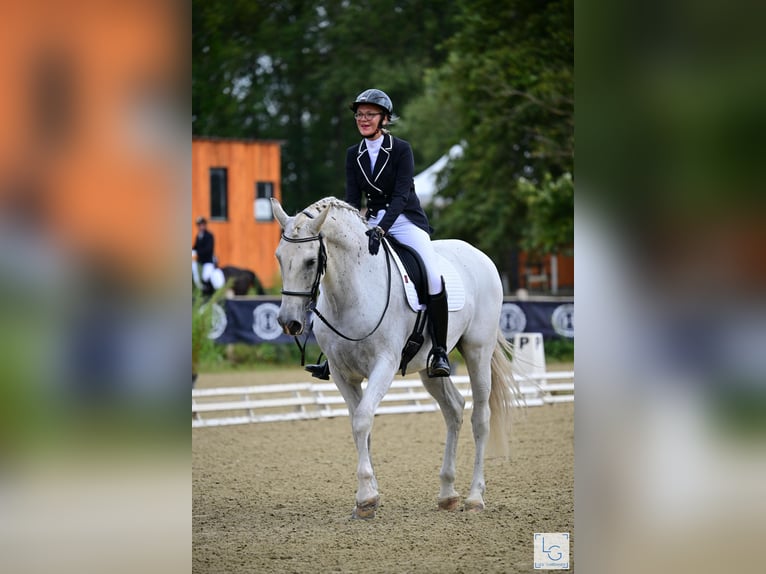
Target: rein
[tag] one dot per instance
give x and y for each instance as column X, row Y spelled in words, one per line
column 313, row 294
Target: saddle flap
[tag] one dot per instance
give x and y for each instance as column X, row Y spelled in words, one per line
column 411, row 268
column 414, row 277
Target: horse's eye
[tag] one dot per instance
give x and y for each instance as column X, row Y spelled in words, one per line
column 311, row 262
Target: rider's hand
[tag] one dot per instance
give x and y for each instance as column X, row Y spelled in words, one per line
column 375, row 234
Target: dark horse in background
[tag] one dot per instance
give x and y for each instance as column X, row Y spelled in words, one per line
column 242, row 280
column 239, row 281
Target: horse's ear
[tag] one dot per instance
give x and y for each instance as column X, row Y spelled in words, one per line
column 314, row 225
column 279, row 213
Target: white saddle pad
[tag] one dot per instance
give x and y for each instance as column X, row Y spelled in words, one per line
column 452, row 281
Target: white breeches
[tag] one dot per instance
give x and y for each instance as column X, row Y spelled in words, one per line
column 410, row 234
column 213, row 275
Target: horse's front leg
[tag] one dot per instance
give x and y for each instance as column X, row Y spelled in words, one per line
column 350, row 389
column 367, row 495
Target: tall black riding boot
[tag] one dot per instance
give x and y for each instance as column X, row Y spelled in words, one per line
column 439, row 314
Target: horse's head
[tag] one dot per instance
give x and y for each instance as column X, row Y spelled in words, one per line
column 301, row 259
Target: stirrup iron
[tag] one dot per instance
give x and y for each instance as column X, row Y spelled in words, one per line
column 438, row 363
column 320, row 370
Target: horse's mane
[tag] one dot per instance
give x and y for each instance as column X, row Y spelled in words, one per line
column 328, row 202
column 316, row 208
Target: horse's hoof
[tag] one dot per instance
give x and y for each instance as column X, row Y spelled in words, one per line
column 473, row 506
column 366, row 510
column 451, row 503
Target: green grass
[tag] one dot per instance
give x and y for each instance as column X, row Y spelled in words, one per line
column 244, row 356
column 216, row 358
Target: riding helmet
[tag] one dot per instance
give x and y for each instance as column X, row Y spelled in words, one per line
column 374, row 96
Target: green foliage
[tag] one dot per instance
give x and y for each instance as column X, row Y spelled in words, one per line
column 288, row 70
column 204, row 349
column 428, row 120
column 559, row 350
column 550, row 204
column 511, row 71
column 245, row 356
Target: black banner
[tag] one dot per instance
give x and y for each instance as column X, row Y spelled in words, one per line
column 255, row 320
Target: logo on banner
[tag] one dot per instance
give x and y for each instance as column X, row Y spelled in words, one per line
column 563, row 320
column 218, row 321
column 512, row 320
column 265, row 323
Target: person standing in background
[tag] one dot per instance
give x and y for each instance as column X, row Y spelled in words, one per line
column 204, row 250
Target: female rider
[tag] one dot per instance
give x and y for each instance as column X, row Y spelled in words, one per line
column 381, row 169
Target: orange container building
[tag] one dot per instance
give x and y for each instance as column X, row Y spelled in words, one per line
column 233, row 182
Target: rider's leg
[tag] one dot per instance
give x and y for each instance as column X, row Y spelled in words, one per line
column 439, row 315
column 409, row 234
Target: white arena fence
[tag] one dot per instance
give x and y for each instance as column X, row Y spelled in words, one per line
column 307, row 400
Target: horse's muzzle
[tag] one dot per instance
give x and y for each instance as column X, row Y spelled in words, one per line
column 292, row 327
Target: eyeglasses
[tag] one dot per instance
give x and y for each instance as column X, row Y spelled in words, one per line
column 367, row 116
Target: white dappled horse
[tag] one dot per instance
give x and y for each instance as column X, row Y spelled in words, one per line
column 323, row 254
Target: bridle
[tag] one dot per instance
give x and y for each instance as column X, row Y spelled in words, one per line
column 314, row 293
column 321, row 266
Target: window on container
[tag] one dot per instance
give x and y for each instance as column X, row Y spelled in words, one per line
column 218, row 193
column 264, row 191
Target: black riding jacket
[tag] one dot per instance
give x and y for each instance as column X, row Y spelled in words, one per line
column 390, row 185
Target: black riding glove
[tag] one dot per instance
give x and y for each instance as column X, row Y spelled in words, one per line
column 375, row 234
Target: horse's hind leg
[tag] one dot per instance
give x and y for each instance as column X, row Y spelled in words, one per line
column 451, row 403
column 478, row 363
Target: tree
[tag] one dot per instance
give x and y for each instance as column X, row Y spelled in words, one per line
column 511, row 71
column 288, row 70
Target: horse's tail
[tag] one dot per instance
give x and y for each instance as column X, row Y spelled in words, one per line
column 504, row 395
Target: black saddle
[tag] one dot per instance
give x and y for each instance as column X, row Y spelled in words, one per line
column 416, row 269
